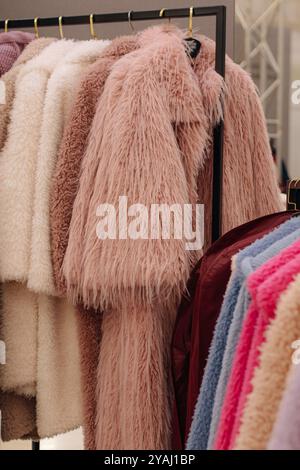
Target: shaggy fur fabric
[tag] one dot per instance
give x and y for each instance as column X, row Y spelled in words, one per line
column 64, row 189
column 18, row 411
column 267, row 203
column 198, row 438
column 141, row 286
column 251, row 337
column 255, row 430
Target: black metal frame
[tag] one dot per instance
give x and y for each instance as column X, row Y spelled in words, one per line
column 219, row 12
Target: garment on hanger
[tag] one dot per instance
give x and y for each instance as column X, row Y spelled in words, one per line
column 200, row 428
column 58, row 394
column 90, row 164
column 88, row 323
column 196, row 321
column 281, row 238
column 255, row 349
column 17, row 411
column 12, row 44
column 266, row 296
column 249, row 341
column 64, row 189
column 285, row 434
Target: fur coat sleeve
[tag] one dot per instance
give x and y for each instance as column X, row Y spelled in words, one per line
column 250, row 188
column 132, row 145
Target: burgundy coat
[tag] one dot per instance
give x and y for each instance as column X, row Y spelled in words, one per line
column 198, row 314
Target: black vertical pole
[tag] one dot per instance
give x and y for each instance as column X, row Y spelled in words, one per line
column 35, row 445
column 219, row 130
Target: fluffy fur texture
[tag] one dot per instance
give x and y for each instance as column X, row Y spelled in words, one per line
column 18, row 415
column 255, row 429
column 240, row 310
column 247, row 352
column 198, row 438
column 259, row 147
column 89, row 331
column 146, row 284
column 19, row 159
column 18, row 411
column 129, row 73
column 66, row 175
column 9, row 80
column 138, row 269
column 61, row 92
column 286, row 432
column 57, row 375
column 64, row 189
column 11, row 46
column 134, row 387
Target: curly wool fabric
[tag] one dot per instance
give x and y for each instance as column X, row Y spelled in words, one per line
column 17, row 411
column 202, row 420
column 64, row 189
column 11, row 46
column 247, row 351
column 268, row 294
column 278, row 240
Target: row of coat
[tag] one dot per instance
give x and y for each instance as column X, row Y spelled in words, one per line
column 249, row 388
column 88, row 323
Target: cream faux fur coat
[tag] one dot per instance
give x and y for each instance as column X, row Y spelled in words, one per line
column 151, row 140
column 57, row 75
column 18, row 417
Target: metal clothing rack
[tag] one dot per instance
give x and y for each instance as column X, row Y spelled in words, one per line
column 219, row 12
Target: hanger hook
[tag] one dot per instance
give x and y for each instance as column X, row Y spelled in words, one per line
column 6, row 25
column 191, row 21
column 60, row 27
column 129, row 20
column 289, row 202
column 36, row 30
column 162, row 13
column 92, row 29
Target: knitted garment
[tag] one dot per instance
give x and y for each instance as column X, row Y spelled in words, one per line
column 11, row 46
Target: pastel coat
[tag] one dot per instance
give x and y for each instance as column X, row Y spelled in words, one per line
column 200, row 429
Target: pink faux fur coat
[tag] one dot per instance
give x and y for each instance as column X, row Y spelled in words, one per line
column 190, row 99
column 265, row 286
column 64, row 189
